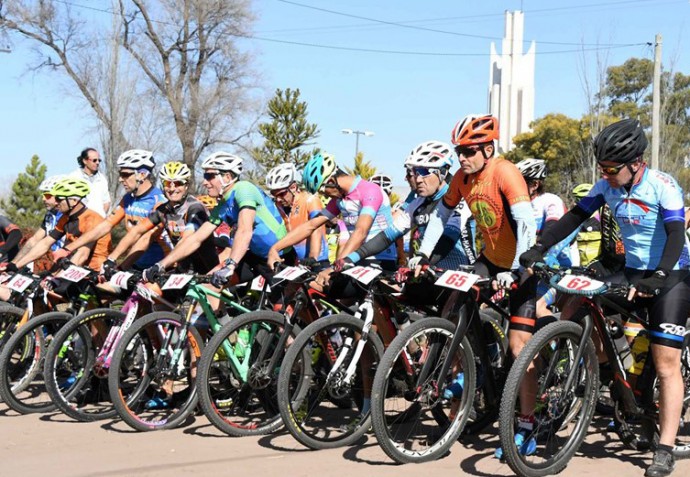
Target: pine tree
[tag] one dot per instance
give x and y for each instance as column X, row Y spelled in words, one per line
column 24, row 206
column 287, row 133
column 362, row 168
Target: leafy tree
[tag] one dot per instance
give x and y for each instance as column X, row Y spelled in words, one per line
column 24, row 206
column 287, row 133
column 362, row 168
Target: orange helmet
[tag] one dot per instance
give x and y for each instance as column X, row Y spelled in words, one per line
column 208, row 201
column 474, row 129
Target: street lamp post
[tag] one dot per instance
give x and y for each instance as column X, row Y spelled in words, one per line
column 357, row 134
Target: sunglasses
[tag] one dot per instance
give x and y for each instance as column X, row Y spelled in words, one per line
column 330, row 184
column 47, row 196
column 94, row 160
column 279, row 193
column 611, row 170
column 169, row 184
column 126, row 175
column 60, row 198
column 466, row 151
column 421, row 171
column 209, row 176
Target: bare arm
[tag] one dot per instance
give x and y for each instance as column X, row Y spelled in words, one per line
column 91, row 236
column 299, row 234
column 315, row 242
column 138, row 249
column 358, row 236
column 130, row 239
column 36, row 251
column 189, row 246
column 35, row 238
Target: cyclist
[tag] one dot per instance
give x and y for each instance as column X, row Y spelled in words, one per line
column 297, row 207
column 222, row 236
column 429, row 163
column 364, row 207
column 648, row 206
column 180, row 216
column 75, row 221
column 386, row 184
column 136, row 169
column 10, row 236
column 50, row 219
column 259, row 224
column 498, row 198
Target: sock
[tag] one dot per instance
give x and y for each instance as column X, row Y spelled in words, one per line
column 366, row 405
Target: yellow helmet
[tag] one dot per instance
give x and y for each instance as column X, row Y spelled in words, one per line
column 175, row 171
column 70, row 187
column 208, row 201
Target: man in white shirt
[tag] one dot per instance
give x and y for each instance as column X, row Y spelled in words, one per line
column 98, row 199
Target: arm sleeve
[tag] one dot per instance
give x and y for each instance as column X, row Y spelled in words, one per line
column 526, row 229
column 331, row 210
column 673, row 214
column 450, row 237
column 371, row 247
column 12, row 240
column 435, row 227
column 675, row 241
column 564, row 227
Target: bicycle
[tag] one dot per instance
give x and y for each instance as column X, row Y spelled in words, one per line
column 156, row 389
column 436, row 373
column 566, row 373
column 238, row 371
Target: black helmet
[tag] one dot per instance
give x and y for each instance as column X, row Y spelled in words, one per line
column 621, row 142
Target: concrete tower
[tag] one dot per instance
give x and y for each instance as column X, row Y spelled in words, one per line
column 511, row 82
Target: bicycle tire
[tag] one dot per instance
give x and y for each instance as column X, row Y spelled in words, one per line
column 422, row 431
column 10, row 315
column 553, row 451
column 21, row 378
column 140, row 346
column 305, row 393
column 75, row 386
column 237, row 406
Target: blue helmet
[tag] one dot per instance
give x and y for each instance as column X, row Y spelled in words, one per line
column 317, row 171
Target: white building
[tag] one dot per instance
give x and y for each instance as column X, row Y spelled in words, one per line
column 511, row 82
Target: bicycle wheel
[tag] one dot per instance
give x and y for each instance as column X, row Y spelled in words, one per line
column 557, row 431
column 320, row 399
column 238, row 394
column 152, row 377
column 22, row 385
column 412, row 419
column 9, row 317
column 76, row 365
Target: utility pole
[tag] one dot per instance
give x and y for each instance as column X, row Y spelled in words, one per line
column 656, row 102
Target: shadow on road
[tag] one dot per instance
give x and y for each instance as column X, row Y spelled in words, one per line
column 269, row 442
column 353, row 452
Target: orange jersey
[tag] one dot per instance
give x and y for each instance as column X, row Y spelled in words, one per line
column 489, row 194
column 306, row 206
column 74, row 226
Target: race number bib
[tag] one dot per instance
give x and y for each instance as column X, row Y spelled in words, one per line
column 74, row 274
column 290, row 273
column 120, row 279
column 258, row 284
column 362, row 274
column 144, row 292
column 579, row 283
column 456, row 280
column 19, row 283
column 177, row 281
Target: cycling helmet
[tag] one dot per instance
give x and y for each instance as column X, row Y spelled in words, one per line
column 71, row 187
column 532, row 169
column 432, row 154
column 581, row 190
column 621, row 142
column 136, row 159
column 224, row 161
column 208, row 201
column 475, row 129
column 48, row 184
column 317, row 171
column 175, row 171
column 281, row 176
column 383, row 181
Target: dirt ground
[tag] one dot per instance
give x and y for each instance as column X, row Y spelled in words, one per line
column 52, row 445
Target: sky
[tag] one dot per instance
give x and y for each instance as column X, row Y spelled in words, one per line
column 403, row 69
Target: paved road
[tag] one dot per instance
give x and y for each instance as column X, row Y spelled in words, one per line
column 51, row 445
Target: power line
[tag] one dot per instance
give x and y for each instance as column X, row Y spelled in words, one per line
column 363, row 50
column 446, row 32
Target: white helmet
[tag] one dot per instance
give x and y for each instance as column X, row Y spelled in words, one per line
column 532, row 169
column 223, row 161
column 384, row 181
column 47, row 184
column 432, row 154
column 136, row 159
column 281, row 176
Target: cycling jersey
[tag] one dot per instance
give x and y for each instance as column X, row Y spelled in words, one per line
column 306, row 206
column 549, row 207
column 50, row 220
column 8, row 250
column 414, row 218
column 495, row 195
column 71, row 227
column 641, row 214
column 177, row 219
column 133, row 209
column 268, row 223
column 364, row 198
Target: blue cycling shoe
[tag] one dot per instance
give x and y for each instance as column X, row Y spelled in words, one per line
column 525, row 447
column 156, row 403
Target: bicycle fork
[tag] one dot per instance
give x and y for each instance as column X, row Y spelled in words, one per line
column 365, row 312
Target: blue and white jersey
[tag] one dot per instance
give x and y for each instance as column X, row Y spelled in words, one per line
column 549, row 207
column 50, row 220
column 641, row 214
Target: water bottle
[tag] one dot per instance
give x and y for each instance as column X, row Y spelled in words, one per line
column 455, row 388
column 639, row 351
column 242, row 341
